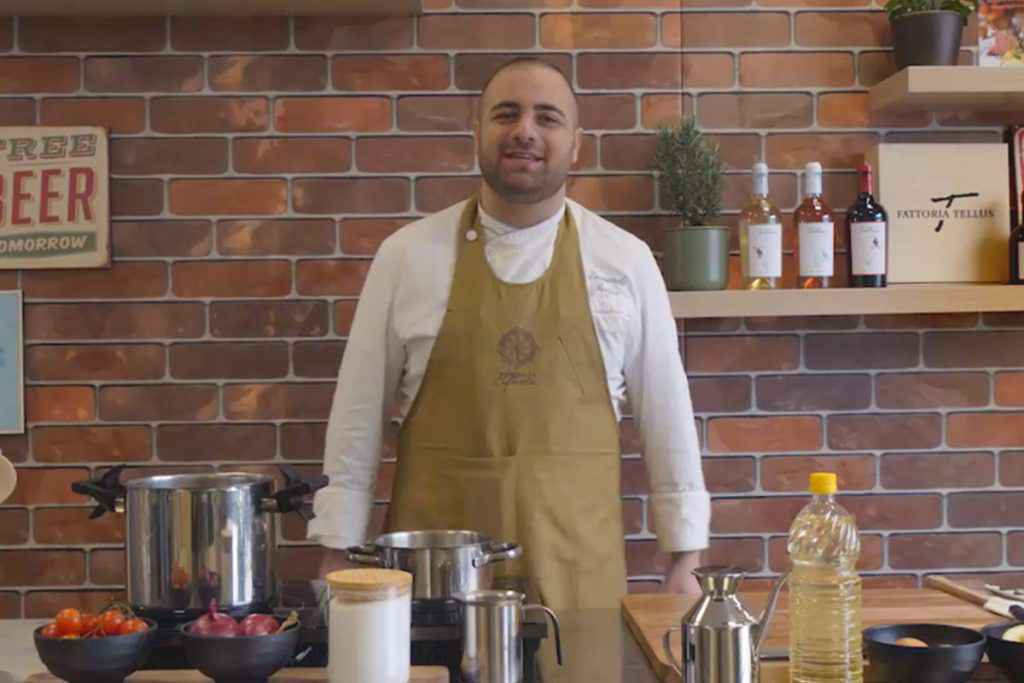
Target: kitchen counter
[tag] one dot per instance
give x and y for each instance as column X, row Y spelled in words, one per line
column 597, row 647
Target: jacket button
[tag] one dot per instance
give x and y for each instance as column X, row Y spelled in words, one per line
column 471, row 235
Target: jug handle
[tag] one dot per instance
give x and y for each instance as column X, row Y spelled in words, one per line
column 554, row 622
column 666, row 644
column 761, row 629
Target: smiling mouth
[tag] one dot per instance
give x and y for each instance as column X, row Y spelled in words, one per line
column 523, row 156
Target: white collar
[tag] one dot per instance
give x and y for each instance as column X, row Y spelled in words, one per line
column 495, row 228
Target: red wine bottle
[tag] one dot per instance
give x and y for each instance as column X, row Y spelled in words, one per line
column 1017, row 250
column 867, row 236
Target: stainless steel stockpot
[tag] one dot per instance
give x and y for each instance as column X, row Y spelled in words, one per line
column 191, row 538
column 443, row 563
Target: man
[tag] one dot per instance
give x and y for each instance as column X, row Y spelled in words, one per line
column 509, row 327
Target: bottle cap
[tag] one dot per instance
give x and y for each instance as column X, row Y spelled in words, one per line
column 823, row 483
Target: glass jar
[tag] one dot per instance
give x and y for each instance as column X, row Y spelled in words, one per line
column 370, row 616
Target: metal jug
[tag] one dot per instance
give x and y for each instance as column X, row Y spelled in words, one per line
column 492, row 636
column 721, row 639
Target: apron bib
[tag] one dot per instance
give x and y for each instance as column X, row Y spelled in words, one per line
column 512, row 432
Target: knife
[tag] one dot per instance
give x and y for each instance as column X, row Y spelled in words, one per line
column 1001, row 606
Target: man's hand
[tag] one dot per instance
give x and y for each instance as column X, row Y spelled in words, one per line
column 332, row 559
column 679, row 577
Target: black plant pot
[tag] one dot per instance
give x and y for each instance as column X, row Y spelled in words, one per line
column 927, row 39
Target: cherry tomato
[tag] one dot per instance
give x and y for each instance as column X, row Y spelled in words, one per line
column 50, row 631
column 110, row 622
column 135, row 625
column 69, row 622
column 90, row 623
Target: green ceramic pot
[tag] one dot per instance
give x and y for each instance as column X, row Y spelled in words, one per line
column 696, row 258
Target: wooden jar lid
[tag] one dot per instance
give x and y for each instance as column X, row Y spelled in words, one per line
column 369, row 584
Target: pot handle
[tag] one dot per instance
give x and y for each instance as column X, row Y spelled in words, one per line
column 291, row 497
column 495, row 552
column 106, row 489
column 367, row 553
column 554, row 622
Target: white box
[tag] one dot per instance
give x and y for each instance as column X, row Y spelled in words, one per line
column 949, row 211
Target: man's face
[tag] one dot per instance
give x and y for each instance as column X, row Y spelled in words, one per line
column 526, row 134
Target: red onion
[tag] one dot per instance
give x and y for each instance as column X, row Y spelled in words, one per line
column 215, row 623
column 259, row 625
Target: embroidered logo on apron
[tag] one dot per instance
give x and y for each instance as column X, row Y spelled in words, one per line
column 517, row 349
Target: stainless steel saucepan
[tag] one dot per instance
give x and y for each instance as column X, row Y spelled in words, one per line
column 443, row 563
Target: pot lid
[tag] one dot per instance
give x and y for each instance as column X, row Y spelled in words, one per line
column 431, row 538
column 8, row 478
column 215, row 481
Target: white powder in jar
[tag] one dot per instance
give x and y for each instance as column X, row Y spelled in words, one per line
column 369, row 629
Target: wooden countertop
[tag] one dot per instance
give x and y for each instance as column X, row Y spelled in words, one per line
column 649, row 616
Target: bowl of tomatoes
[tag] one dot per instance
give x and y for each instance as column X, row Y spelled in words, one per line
column 80, row 647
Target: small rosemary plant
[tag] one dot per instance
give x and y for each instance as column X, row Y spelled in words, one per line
column 690, row 172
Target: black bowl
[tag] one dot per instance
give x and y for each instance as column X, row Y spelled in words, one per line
column 95, row 660
column 1005, row 654
column 952, row 655
column 238, row 659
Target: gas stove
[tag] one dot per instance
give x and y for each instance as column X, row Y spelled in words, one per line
column 436, row 632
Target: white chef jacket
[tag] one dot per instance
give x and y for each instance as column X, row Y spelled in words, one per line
column 399, row 316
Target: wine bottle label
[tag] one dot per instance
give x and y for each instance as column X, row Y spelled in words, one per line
column 764, row 249
column 1020, row 260
column 867, row 240
column 817, row 247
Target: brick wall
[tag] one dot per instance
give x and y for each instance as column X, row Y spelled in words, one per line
column 257, row 164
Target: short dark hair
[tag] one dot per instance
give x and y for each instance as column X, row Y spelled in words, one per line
column 526, row 61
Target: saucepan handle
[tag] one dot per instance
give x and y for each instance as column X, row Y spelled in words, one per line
column 666, row 644
column 554, row 622
column 495, row 552
column 367, row 553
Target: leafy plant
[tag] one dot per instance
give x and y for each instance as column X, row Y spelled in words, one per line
column 690, row 171
column 901, row 8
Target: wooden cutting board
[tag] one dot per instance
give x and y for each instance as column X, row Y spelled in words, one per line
column 650, row 615
column 417, row 674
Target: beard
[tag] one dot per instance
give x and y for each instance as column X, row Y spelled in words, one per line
column 521, row 187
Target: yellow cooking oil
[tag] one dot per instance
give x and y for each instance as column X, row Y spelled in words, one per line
column 824, row 590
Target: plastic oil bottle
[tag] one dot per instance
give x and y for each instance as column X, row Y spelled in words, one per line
column 824, row 590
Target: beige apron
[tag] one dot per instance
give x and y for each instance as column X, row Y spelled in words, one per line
column 512, row 433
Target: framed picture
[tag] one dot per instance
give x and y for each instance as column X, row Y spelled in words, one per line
column 12, row 378
column 1001, row 33
column 54, row 197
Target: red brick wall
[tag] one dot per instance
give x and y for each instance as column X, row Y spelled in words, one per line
column 258, row 163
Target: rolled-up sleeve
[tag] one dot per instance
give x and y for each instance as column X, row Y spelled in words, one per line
column 660, row 396
column 367, row 381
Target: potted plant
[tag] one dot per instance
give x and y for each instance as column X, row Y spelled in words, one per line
column 695, row 255
column 928, row 32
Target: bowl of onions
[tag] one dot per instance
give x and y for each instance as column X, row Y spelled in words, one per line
column 230, row 651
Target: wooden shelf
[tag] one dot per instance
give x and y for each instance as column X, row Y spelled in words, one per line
column 890, row 300
column 929, row 88
column 126, row 8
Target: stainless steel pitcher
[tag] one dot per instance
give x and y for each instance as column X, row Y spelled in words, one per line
column 492, row 636
column 721, row 639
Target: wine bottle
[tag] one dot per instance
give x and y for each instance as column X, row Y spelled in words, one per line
column 867, row 236
column 1017, row 251
column 815, row 234
column 761, row 237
